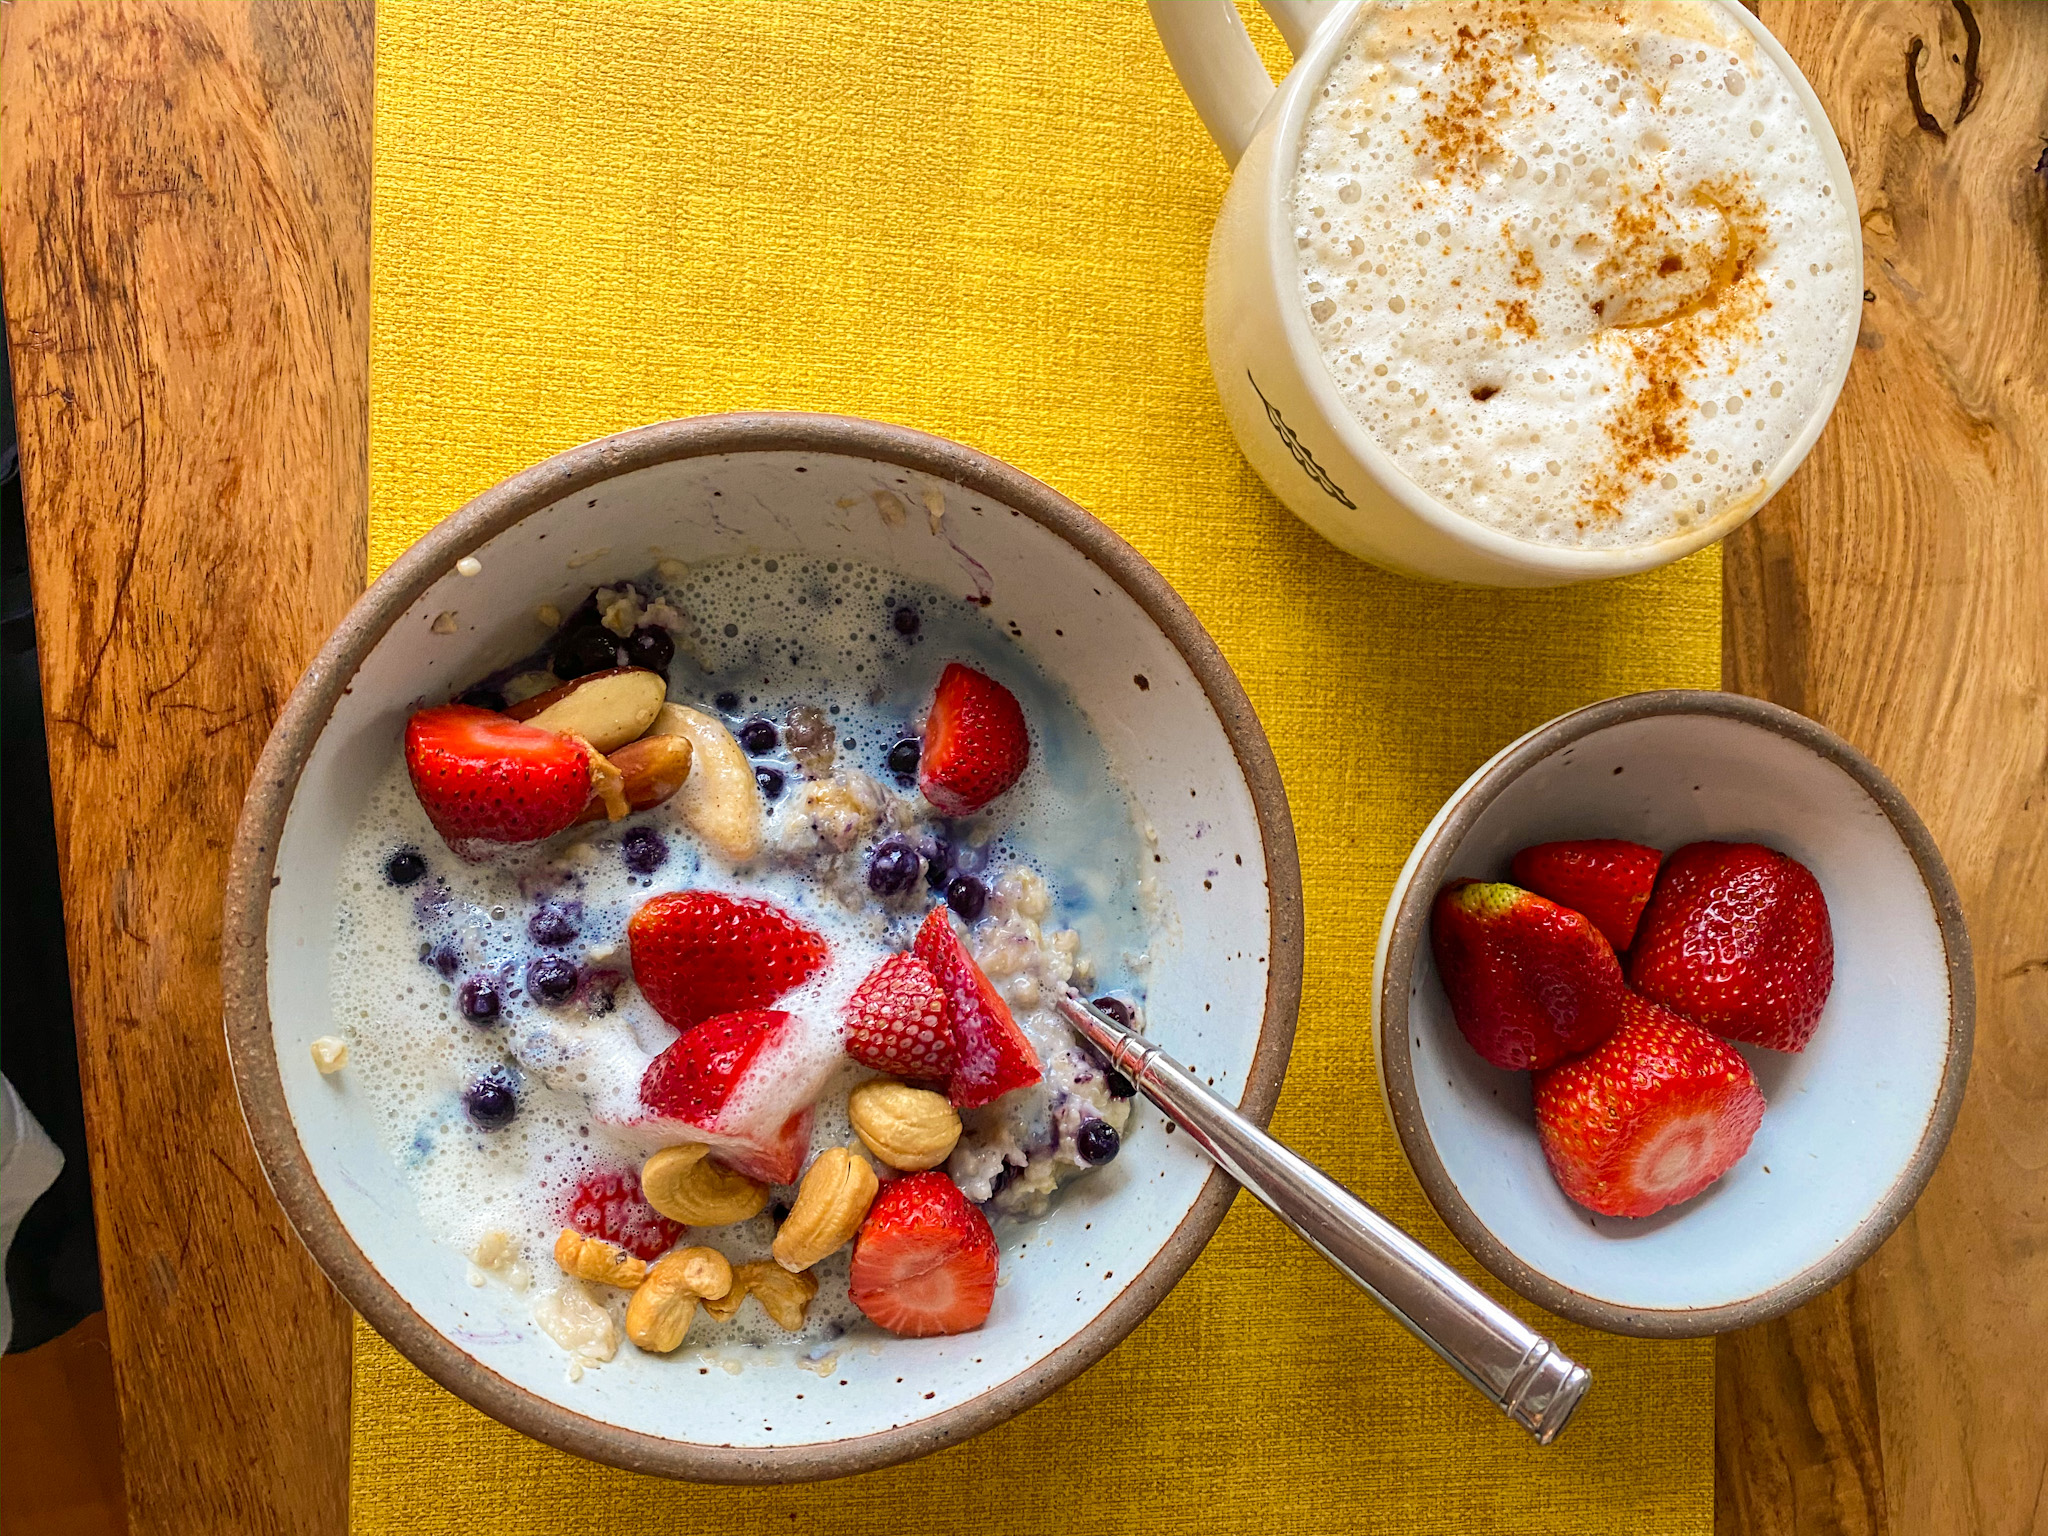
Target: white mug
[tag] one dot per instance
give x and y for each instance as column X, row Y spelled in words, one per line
column 1281, row 401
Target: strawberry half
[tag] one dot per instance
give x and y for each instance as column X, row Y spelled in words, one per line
column 1603, row 877
column 697, row 953
column 698, row 1081
column 481, row 776
column 1648, row 1119
column 993, row 1057
column 896, row 1022
column 1737, row 938
column 975, row 742
column 1530, row 982
column 609, row 1205
column 925, row 1261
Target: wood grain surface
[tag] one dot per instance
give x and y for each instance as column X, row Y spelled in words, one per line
column 184, row 222
column 184, row 216
column 1897, row 590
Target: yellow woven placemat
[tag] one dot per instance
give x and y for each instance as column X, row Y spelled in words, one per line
column 990, row 222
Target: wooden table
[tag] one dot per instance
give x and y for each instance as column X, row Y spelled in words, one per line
column 184, row 225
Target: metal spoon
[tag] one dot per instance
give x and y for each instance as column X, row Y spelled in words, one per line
column 1524, row 1374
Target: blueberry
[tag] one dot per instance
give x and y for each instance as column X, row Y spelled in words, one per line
column 893, row 868
column 481, row 697
column 651, row 647
column 492, row 1101
column 967, row 896
column 1120, row 1087
column 758, row 736
column 583, row 651
column 903, row 757
column 1119, row 1010
column 906, row 621
column 938, row 862
column 770, row 780
column 780, row 1211
column 1097, row 1142
column 555, row 924
column 479, row 1000
column 643, row 850
column 728, row 703
column 404, row 866
column 550, row 978
column 445, row 958
column 969, row 860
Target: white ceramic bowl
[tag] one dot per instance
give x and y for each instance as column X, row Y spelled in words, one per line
column 1855, row 1122
column 1098, row 618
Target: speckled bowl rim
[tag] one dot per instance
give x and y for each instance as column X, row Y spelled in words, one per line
column 1409, row 915
column 244, row 965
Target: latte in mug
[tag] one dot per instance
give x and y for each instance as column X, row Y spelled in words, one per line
column 1580, row 269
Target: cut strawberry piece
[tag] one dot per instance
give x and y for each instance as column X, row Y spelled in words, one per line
column 1737, row 938
column 975, row 742
column 1606, row 879
column 1530, row 982
column 925, row 1261
column 697, row 953
column 609, row 1205
column 1650, row 1118
column 896, row 1022
column 482, row 777
column 725, row 1082
column 993, row 1057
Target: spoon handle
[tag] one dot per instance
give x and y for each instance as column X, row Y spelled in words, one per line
column 1518, row 1369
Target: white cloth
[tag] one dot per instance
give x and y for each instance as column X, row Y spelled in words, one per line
column 29, row 1164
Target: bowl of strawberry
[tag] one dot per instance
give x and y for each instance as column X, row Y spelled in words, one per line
column 1672, row 1011
column 648, row 921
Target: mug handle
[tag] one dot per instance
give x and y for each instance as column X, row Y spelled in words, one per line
column 1222, row 73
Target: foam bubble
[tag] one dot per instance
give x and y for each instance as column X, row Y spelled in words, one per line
column 1573, row 237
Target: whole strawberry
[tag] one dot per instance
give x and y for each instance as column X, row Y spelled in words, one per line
column 896, row 1022
column 483, row 778
column 1530, row 982
column 1605, row 878
column 975, row 742
column 1737, row 938
column 699, row 953
column 1648, row 1119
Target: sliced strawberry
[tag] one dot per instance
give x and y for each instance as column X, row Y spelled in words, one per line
column 993, row 1057
column 609, row 1205
column 925, row 1261
column 719, row 1078
column 1737, row 937
column 896, row 1022
column 481, row 776
column 1650, row 1118
column 697, row 953
column 1603, row 877
column 975, row 742
column 1530, row 982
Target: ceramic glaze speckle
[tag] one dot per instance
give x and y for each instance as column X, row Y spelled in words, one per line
column 1080, row 608
column 1853, row 1123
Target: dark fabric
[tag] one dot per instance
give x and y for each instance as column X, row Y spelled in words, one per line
column 53, row 1271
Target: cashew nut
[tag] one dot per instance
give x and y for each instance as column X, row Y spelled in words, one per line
column 592, row 1258
column 685, row 1185
column 830, row 1205
column 661, row 1309
column 785, row 1297
column 720, row 801
column 907, row 1128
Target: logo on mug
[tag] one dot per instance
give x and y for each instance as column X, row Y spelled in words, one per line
column 1299, row 450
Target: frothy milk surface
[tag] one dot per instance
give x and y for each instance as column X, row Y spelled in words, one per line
column 778, row 634
column 1580, row 269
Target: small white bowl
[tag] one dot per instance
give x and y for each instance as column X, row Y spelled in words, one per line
column 1855, row 1122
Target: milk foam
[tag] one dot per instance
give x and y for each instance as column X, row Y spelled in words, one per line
column 1580, row 269
column 778, row 633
